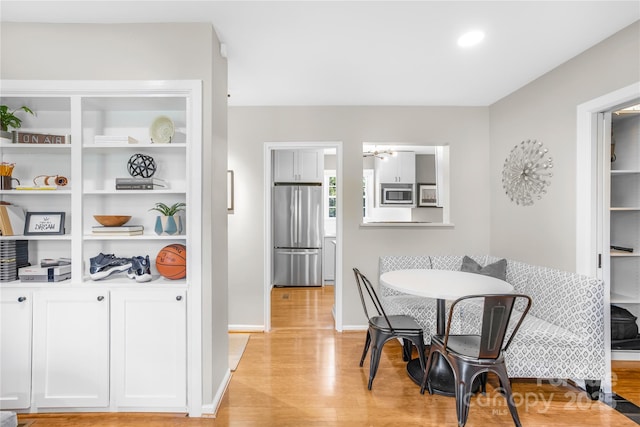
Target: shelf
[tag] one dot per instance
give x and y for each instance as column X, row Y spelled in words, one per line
column 38, row 192
column 623, row 254
column 36, row 237
column 624, row 299
column 620, row 209
column 625, row 172
column 138, row 146
column 134, row 238
column 134, row 192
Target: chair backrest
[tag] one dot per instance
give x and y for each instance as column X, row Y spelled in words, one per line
column 496, row 315
column 363, row 282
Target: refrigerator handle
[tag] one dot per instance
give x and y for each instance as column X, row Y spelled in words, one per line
column 296, row 215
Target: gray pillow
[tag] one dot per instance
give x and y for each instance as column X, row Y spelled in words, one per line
column 498, row 269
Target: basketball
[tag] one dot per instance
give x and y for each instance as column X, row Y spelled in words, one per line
column 171, row 261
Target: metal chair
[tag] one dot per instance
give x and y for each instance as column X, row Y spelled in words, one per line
column 474, row 355
column 383, row 327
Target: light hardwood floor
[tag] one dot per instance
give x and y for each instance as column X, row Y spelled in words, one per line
column 303, row 373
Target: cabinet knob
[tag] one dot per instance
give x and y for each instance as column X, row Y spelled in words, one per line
column 179, row 298
column 100, row 298
column 22, row 299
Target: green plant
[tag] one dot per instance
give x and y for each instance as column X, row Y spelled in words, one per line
column 169, row 210
column 8, row 119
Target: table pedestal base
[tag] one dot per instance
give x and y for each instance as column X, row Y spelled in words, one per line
column 441, row 375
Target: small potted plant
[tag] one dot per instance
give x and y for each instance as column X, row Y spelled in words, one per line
column 169, row 222
column 9, row 120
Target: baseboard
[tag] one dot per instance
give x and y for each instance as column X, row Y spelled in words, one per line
column 211, row 409
column 245, row 328
column 355, row 327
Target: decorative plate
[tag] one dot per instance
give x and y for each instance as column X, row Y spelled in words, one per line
column 161, row 130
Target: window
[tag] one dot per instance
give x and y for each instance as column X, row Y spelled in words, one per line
column 330, row 192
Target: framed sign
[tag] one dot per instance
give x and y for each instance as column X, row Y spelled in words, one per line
column 44, row 223
column 427, row 195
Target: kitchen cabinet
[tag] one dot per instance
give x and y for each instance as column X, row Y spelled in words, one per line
column 397, row 169
column 299, row 165
column 76, row 336
column 329, row 259
column 149, row 348
column 622, row 242
column 71, row 348
column 15, row 344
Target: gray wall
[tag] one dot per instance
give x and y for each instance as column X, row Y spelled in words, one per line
column 545, row 110
column 108, row 52
column 465, row 129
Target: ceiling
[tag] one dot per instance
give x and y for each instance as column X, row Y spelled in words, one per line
column 369, row 52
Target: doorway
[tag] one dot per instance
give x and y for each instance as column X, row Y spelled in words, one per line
column 330, row 148
column 589, row 167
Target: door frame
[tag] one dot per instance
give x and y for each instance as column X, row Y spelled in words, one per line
column 589, row 167
column 269, row 147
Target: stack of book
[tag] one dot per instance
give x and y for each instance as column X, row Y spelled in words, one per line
column 12, row 218
column 114, row 139
column 140, row 183
column 123, row 230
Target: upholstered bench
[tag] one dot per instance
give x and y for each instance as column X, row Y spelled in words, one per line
column 562, row 337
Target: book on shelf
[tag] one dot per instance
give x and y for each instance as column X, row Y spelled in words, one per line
column 40, row 138
column 139, row 183
column 114, row 139
column 104, row 229
column 119, row 233
column 12, row 219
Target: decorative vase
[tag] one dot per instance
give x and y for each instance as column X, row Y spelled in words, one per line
column 6, row 137
column 168, row 225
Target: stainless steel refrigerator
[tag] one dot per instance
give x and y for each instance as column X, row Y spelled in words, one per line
column 297, row 235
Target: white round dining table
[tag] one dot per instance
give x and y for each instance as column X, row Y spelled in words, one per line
column 441, row 285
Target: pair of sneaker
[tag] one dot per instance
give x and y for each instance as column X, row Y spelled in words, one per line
column 104, row 265
column 140, row 270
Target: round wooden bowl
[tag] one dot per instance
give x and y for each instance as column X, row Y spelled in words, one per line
column 112, row 220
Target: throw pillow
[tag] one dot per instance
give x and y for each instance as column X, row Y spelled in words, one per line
column 498, row 269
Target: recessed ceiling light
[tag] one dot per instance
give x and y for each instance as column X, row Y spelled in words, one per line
column 470, row 38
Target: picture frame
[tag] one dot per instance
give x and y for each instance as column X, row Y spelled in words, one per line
column 427, row 195
column 44, row 223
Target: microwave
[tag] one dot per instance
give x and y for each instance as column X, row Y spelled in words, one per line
column 396, row 195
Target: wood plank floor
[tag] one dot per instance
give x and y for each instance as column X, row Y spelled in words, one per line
column 303, row 373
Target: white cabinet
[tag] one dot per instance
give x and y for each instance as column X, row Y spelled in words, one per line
column 76, row 337
column 300, row 165
column 71, row 348
column 399, row 168
column 149, row 348
column 15, row 348
column 329, row 259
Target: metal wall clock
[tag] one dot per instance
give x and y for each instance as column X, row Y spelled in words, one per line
column 527, row 172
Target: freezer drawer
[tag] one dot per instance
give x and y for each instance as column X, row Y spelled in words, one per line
column 297, row 267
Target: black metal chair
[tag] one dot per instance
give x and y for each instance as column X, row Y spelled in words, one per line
column 474, row 355
column 383, row 328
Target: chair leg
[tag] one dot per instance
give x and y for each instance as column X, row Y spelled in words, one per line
column 425, row 378
column 407, row 350
column 464, row 383
column 367, row 342
column 378, row 342
column 508, row 394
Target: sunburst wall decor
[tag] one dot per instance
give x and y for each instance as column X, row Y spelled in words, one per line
column 527, row 172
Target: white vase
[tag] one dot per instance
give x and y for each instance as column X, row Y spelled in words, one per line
column 6, row 137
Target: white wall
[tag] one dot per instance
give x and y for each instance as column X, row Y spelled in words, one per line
column 545, row 110
column 148, row 52
column 465, row 129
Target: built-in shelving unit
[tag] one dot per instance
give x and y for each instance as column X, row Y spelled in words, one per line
column 133, row 322
column 624, row 218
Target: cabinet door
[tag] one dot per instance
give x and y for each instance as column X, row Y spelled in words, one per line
column 310, row 165
column 284, row 166
column 406, row 167
column 15, row 349
column 149, row 348
column 71, row 348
